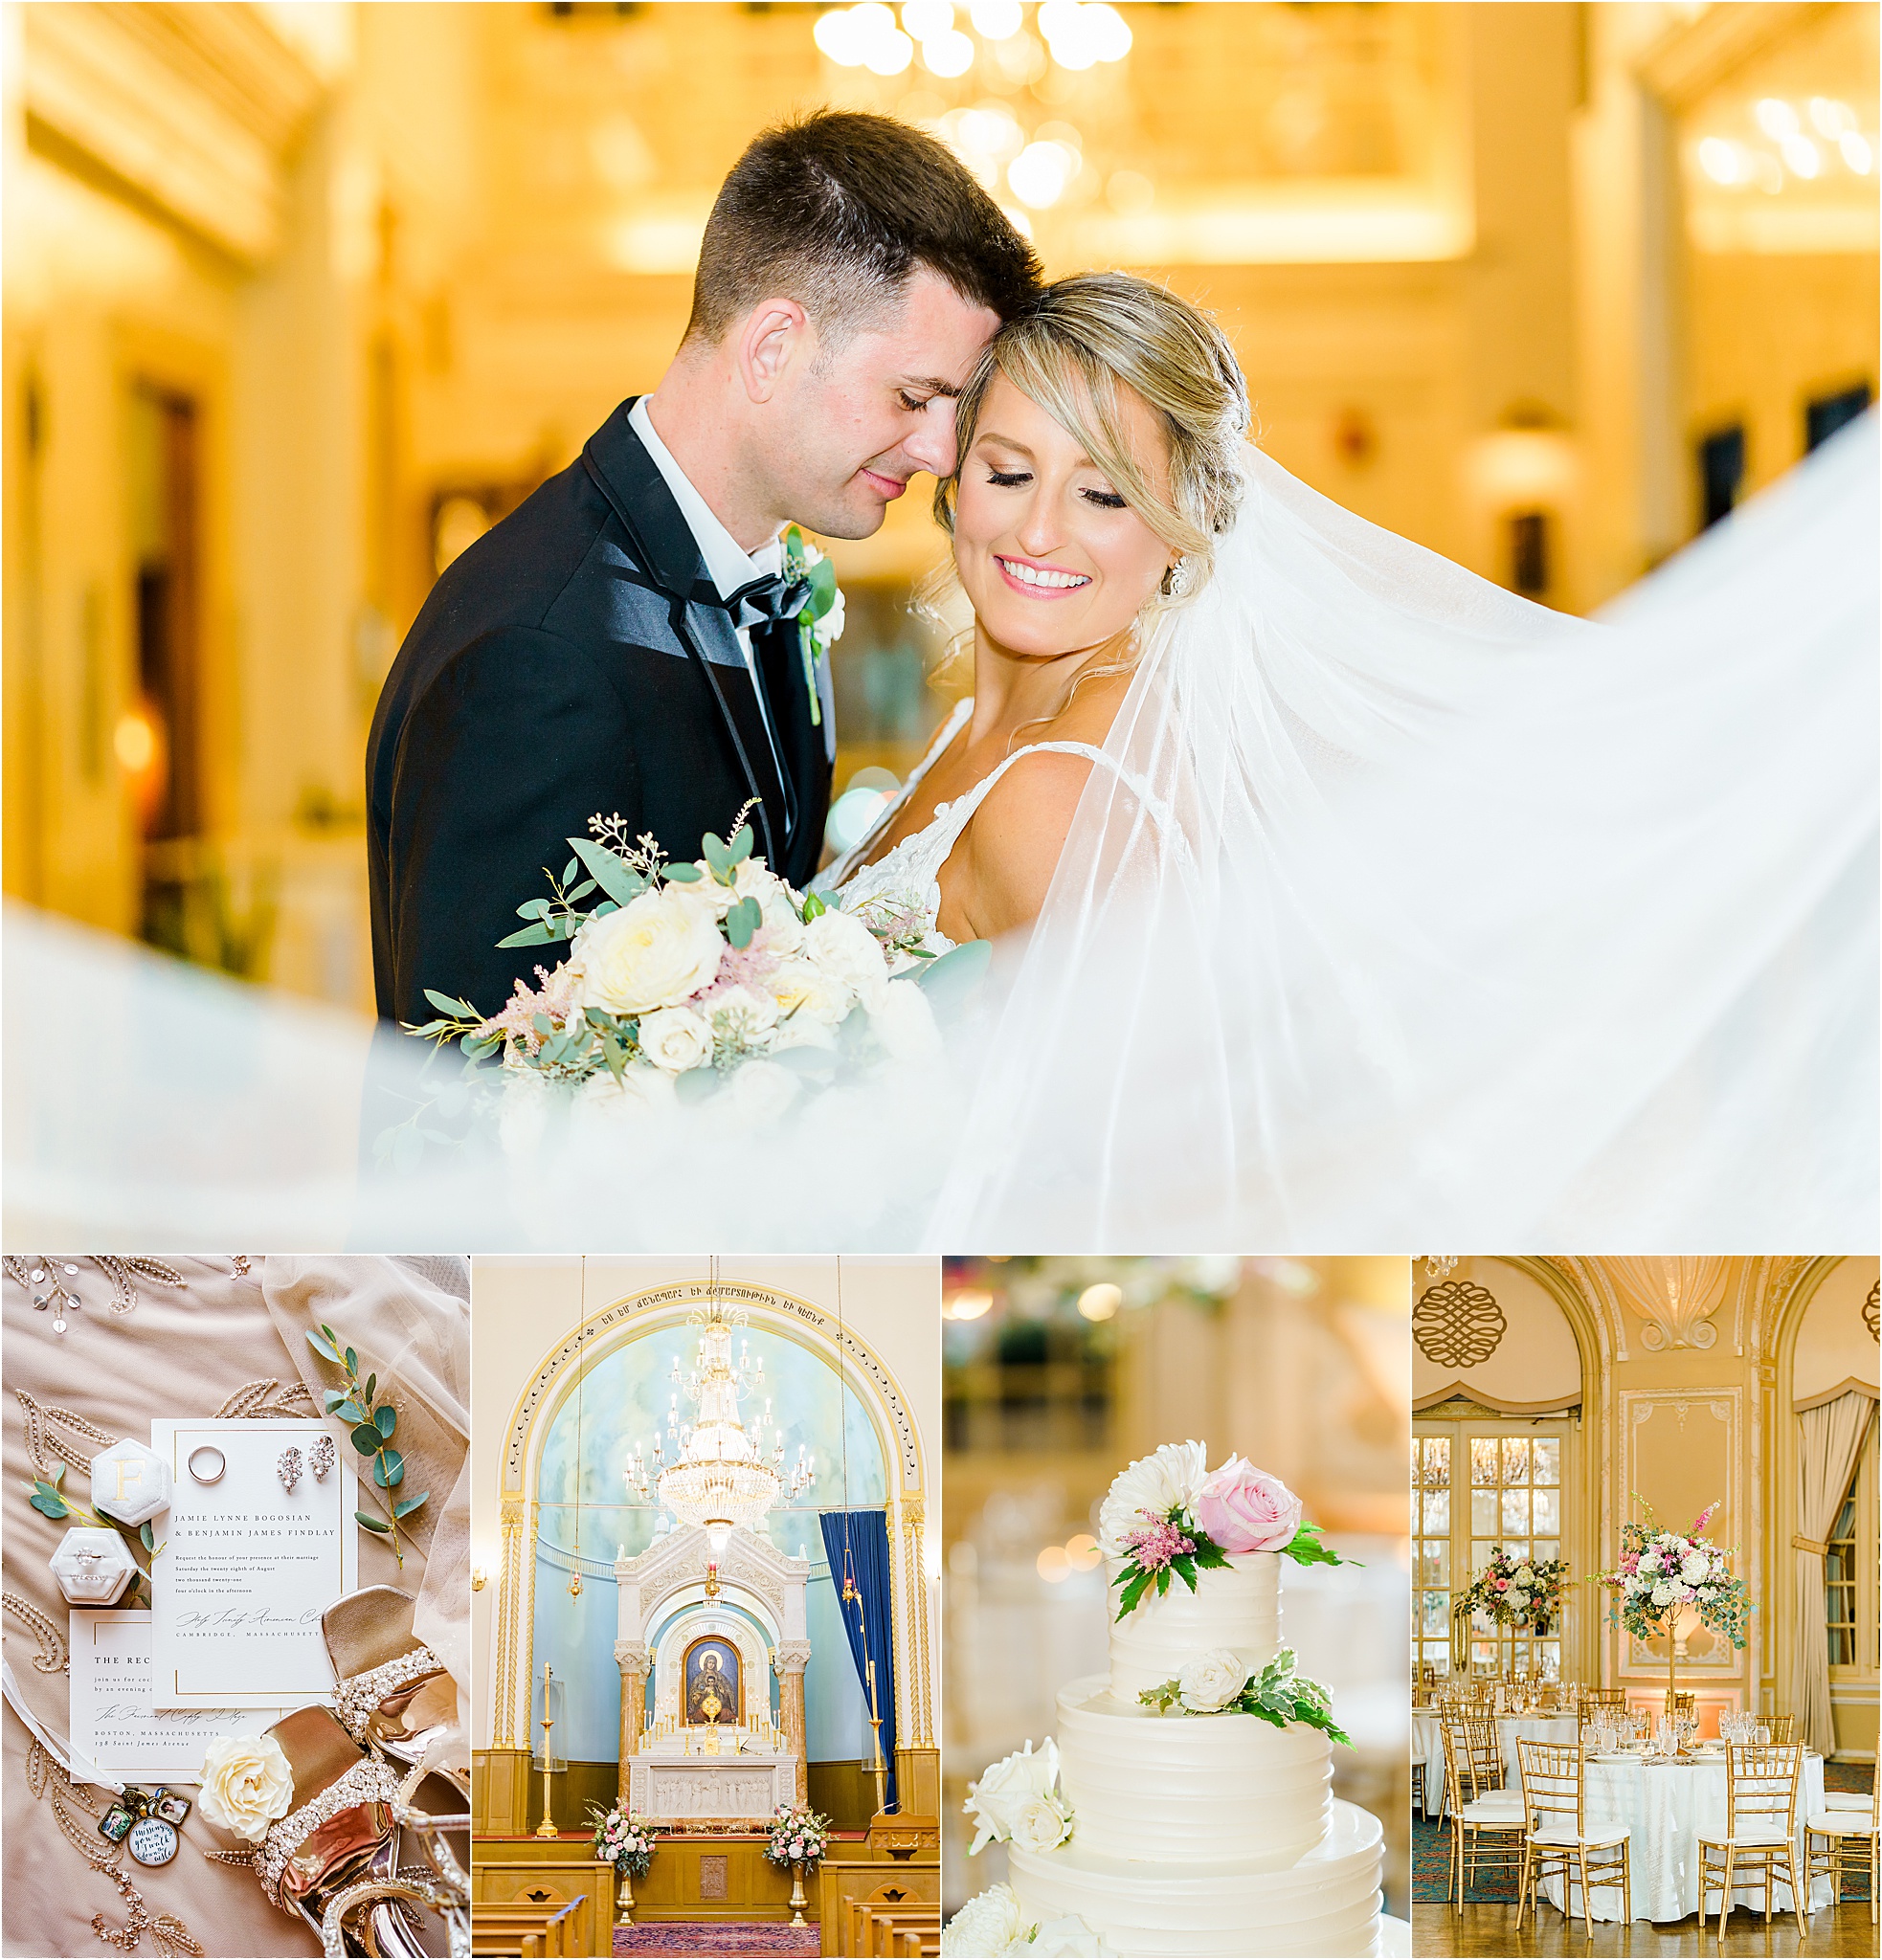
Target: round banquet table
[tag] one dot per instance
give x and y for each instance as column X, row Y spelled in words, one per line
column 1428, row 1748
column 1667, row 1806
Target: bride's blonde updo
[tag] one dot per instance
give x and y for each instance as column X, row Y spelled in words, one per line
column 1075, row 347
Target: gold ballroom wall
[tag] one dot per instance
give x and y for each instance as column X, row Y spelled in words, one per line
column 298, row 297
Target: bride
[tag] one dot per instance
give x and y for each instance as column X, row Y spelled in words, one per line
column 1341, row 900
column 1367, row 902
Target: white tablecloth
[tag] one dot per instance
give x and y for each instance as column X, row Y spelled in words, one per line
column 1428, row 1748
column 1666, row 1808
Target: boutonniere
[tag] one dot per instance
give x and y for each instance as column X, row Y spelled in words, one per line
column 820, row 618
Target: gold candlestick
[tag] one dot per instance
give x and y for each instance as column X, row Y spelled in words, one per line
column 547, row 1828
column 879, row 1769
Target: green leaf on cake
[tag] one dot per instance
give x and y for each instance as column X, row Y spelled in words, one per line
column 1305, row 1549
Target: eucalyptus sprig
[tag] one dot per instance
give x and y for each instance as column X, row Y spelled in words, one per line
column 1275, row 1695
column 48, row 1498
column 372, row 1434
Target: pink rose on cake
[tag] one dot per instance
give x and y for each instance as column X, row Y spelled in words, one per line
column 1245, row 1509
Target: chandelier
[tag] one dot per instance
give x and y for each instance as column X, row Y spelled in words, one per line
column 717, row 1476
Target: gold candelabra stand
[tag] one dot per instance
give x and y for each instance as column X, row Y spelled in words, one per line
column 547, row 1828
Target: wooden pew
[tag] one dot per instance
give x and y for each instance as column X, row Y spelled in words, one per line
column 532, row 1933
column 876, row 1930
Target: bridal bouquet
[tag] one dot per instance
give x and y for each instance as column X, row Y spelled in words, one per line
column 799, row 1836
column 1661, row 1571
column 1166, row 1514
column 681, row 981
column 1518, row 1593
column 624, row 1840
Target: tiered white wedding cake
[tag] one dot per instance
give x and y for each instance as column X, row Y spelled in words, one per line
column 1186, row 1807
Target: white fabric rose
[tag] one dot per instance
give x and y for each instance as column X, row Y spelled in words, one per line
column 994, row 1801
column 1156, row 1483
column 761, row 1092
column 653, row 952
column 674, row 1038
column 1041, row 1823
column 988, row 1925
column 1212, row 1680
column 903, row 1021
column 247, row 1783
column 847, row 950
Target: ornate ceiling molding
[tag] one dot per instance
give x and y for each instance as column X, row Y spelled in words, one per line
column 195, row 107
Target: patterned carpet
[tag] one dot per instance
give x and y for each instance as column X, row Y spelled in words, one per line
column 722, row 1938
column 1431, row 1851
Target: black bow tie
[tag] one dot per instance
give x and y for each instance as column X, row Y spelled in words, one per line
column 775, row 596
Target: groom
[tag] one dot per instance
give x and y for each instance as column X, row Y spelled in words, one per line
column 623, row 641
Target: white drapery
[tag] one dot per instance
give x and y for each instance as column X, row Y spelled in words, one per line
column 1829, row 1441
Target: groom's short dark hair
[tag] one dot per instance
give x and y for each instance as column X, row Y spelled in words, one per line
column 834, row 208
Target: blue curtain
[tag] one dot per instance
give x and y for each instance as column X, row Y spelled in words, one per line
column 866, row 1621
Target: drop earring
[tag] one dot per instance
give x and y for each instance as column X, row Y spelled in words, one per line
column 1177, row 582
column 321, row 1457
column 289, row 1468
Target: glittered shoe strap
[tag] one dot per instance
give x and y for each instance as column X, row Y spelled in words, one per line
column 358, row 1699
column 365, row 1782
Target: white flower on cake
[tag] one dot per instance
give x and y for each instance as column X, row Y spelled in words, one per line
column 1041, row 1823
column 989, row 1924
column 1212, row 1680
column 1166, row 1480
column 1007, row 1789
column 247, row 1783
column 1066, row 1939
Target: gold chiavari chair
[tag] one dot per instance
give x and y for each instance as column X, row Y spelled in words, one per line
column 1484, row 1830
column 1851, row 1841
column 1487, row 1772
column 1560, row 1840
column 1761, row 1828
column 1781, row 1727
column 1605, row 1697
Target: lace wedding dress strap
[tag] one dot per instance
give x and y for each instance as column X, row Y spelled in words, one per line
column 838, row 872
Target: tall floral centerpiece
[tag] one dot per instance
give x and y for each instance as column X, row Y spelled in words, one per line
column 1659, row 1572
column 625, row 1839
column 1519, row 1595
column 799, row 1837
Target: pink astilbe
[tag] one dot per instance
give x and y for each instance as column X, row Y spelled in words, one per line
column 1155, row 1544
column 555, row 997
column 749, row 966
column 1704, row 1518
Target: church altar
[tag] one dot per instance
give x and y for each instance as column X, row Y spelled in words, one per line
column 694, row 1790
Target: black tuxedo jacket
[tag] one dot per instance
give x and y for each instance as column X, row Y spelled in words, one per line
column 575, row 661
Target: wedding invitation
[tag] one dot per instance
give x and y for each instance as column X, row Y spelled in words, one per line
column 115, row 1726
column 246, row 1567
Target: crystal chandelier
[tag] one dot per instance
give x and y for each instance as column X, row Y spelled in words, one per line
column 716, row 1475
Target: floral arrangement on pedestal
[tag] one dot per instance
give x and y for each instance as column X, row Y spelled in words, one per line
column 1217, row 1683
column 1018, row 1801
column 1662, row 1571
column 625, row 1839
column 1166, row 1513
column 799, row 1836
column 1517, row 1591
column 991, row 1924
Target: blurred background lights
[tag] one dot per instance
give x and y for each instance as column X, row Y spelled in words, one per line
column 1100, row 1302
column 1039, row 173
column 924, row 19
column 947, row 53
column 970, row 1303
column 1775, row 117
column 994, row 20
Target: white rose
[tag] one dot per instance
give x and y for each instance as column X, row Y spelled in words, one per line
column 674, row 1038
column 1212, row 1680
column 743, row 1015
column 761, row 1092
column 1156, row 1483
column 1041, row 1823
column 847, row 950
column 988, row 1925
column 752, row 880
column 784, row 931
column 995, row 1800
column 806, row 993
column 651, row 953
column 903, row 1021
column 247, row 1783
column 831, row 626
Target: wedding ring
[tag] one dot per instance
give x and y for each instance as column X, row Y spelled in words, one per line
column 207, row 1463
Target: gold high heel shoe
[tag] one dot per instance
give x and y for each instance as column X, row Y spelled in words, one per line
column 394, row 1692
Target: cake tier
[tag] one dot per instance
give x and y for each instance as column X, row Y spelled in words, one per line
column 1150, row 1785
column 1238, row 1608
column 1327, row 1904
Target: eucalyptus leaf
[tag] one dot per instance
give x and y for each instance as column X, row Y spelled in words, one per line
column 681, row 874
column 325, row 1349
column 570, row 869
column 149, row 1537
column 372, row 1383
column 408, row 1506
column 52, row 1506
column 352, row 1363
column 371, row 1523
column 743, row 920
column 385, row 1418
column 387, row 1469
column 618, row 879
column 530, row 935
column 367, row 1438
column 740, row 847
column 334, row 1398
